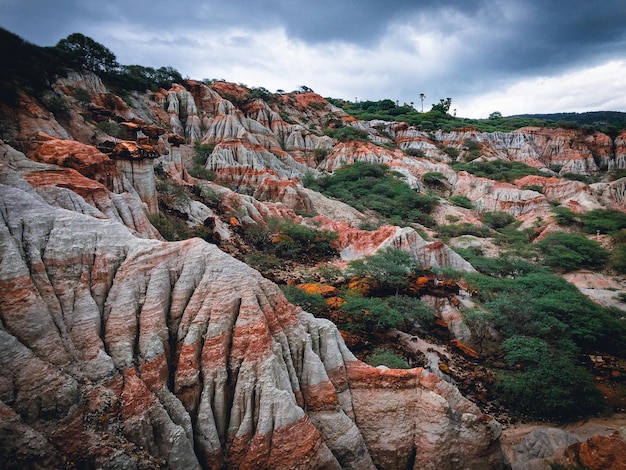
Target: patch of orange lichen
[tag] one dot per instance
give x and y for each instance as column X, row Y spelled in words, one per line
column 318, row 288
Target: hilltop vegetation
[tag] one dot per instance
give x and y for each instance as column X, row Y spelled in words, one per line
column 439, row 117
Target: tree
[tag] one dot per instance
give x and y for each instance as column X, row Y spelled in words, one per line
column 571, row 251
column 389, row 267
column 443, row 105
column 86, row 53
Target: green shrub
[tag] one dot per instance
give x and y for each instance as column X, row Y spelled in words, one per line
column 320, row 154
column 603, row 221
column 434, row 178
column 465, row 228
column 533, row 187
column 497, row 219
column 553, row 389
column 413, row 152
column 618, row 259
column 499, row 170
column 263, row 262
column 569, row 251
column 296, row 240
column 170, row 228
column 548, row 307
column 346, row 133
column 57, row 105
column 505, row 265
column 384, row 357
column 452, row 152
column 329, row 273
column 412, row 310
column 111, row 128
column 171, row 192
column 369, row 314
column 461, row 201
column 564, row 216
column 388, row 267
column 577, row 177
column 198, row 164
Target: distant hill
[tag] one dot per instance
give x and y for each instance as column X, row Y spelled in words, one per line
column 592, row 118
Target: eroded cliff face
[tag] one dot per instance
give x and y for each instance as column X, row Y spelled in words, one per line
column 119, row 352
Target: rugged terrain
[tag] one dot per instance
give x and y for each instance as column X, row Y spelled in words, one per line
column 123, row 350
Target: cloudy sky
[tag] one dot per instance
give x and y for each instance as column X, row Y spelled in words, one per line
column 512, row 56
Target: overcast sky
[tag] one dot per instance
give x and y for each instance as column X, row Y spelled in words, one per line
column 512, row 56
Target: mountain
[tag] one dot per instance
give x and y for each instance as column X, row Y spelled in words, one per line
column 156, row 241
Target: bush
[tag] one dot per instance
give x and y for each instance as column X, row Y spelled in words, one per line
column 369, row 314
column 412, row 310
column 170, row 228
column 533, row 187
column 603, row 221
column 198, row 164
column 564, row 217
column 263, row 262
column 452, row 152
column 551, row 389
column 548, row 307
column 497, row 219
column 384, row 357
column 568, row 252
column 172, row 193
column 434, row 178
column 499, row 170
column 456, row 230
column 504, row 266
column 346, row 133
column 618, row 259
column 296, row 240
column 388, row 267
column 461, row 201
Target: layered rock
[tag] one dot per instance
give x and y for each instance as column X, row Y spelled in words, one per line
column 61, row 179
column 354, row 243
column 117, row 350
column 490, row 195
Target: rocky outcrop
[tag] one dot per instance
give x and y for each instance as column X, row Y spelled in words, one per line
column 135, row 162
column 106, row 194
column 489, row 195
column 597, row 453
column 118, row 350
column 354, row 243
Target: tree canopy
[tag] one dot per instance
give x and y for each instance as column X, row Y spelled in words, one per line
column 86, row 53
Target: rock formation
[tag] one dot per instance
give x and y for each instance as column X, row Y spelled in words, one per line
column 118, row 350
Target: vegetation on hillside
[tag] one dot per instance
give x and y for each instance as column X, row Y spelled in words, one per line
column 369, row 186
column 439, row 117
column 34, row 68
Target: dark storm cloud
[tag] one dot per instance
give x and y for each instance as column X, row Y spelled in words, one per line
column 458, row 48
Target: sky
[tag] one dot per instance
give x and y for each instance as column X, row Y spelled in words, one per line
column 510, row 56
